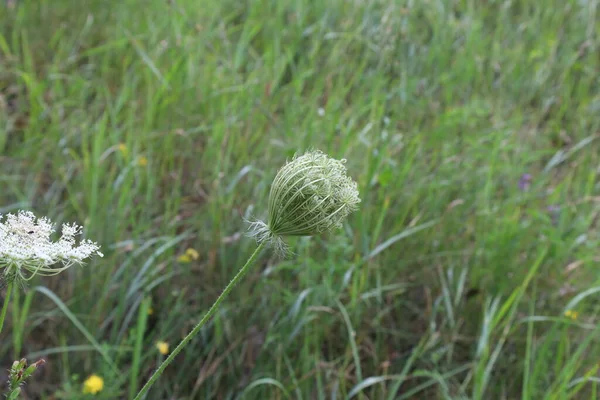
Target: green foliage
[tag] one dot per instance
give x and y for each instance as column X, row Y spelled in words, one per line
column 161, row 127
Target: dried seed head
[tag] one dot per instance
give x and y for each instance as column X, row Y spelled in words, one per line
column 309, row 195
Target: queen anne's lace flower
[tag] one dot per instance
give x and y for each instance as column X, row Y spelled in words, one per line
column 310, row 194
column 26, row 247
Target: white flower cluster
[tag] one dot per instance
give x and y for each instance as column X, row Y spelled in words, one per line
column 26, row 248
column 310, row 194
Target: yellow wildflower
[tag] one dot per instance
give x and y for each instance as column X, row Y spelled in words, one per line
column 163, row 348
column 123, row 149
column 93, row 384
column 142, row 161
column 150, row 310
column 184, row 259
column 192, row 253
column 571, row 314
column 188, row 256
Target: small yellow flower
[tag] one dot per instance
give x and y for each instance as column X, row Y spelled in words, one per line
column 163, row 348
column 142, row 161
column 150, row 310
column 188, row 256
column 184, row 259
column 571, row 314
column 123, row 149
column 192, row 253
column 93, row 384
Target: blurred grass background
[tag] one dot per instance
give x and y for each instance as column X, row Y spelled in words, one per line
column 471, row 126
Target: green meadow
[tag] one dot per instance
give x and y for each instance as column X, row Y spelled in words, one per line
column 472, row 127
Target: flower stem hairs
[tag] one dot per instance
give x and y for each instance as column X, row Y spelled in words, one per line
column 310, row 194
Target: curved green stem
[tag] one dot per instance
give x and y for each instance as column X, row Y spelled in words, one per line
column 5, row 305
column 202, row 322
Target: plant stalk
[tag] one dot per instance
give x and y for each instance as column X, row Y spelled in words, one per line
column 202, row 322
column 9, row 290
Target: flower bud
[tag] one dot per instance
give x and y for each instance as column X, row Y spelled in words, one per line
column 311, row 194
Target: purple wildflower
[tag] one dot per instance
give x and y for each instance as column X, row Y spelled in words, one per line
column 525, row 182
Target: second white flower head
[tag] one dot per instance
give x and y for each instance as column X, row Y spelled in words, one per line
column 26, row 247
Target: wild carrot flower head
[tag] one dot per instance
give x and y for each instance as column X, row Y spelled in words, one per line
column 26, row 247
column 310, row 194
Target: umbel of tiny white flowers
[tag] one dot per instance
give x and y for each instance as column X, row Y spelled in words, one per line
column 310, row 194
column 26, row 247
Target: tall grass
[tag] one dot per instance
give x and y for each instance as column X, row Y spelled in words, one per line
column 161, row 126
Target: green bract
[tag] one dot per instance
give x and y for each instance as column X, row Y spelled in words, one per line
column 310, row 194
